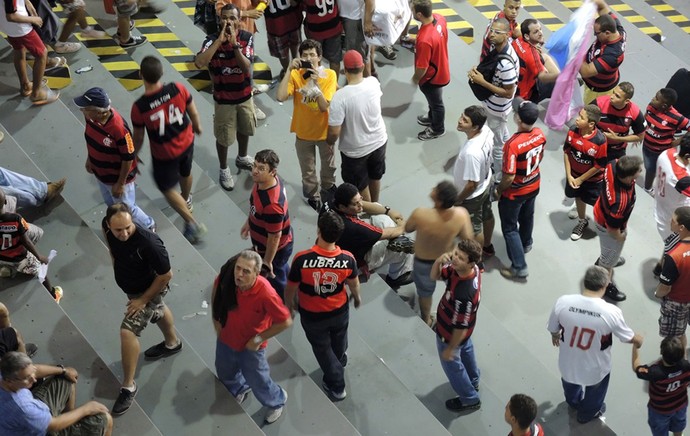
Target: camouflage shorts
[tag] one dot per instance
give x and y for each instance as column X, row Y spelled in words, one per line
column 153, row 312
column 29, row 265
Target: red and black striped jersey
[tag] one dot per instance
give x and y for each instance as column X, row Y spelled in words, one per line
column 282, row 18
column 231, row 85
column 661, row 126
column 108, row 145
column 619, row 121
column 12, row 227
column 676, row 272
column 322, row 19
column 668, row 385
column 164, row 115
column 616, row 201
column 531, row 64
column 486, row 44
column 268, row 213
column 321, row 277
column 607, row 58
column 585, row 152
column 459, row 303
column 522, row 154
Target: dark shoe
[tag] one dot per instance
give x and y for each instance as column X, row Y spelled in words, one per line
column 387, row 51
column 328, row 195
column 488, row 251
column 333, row 395
column 480, row 265
column 124, row 400
column 455, row 405
column 621, row 261
column 160, row 350
column 423, row 120
column 31, row 349
column 403, row 280
column 54, row 189
column 401, row 244
column 134, row 41
column 527, row 249
column 612, row 293
column 657, row 270
column 428, row 134
column 512, row 274
column 315, row 203
column 242, row 396
column 579, row 229
column 244, row 162
column 343, row 360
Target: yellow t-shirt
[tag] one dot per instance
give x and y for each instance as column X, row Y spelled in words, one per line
column 308, row 122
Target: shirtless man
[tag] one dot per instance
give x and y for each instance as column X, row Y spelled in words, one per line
column 437, row 228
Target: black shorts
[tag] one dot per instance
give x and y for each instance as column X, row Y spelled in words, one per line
column 167, row 173
column 587, row 192
column 359, row 171
column 8, row 340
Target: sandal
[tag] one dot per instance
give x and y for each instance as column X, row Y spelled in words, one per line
column 49, row 97
column 61, row 61
column 28, row 87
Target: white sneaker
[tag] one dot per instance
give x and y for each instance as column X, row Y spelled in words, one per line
column 649, row 191
column 260, row 115
column 90, row 32
column 66, row 47
column 272, row 415
column 261, row 87
column 244, row 162
column 226, row 180
column 572, row 213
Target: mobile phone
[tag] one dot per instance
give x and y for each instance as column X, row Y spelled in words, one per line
column 305, row 64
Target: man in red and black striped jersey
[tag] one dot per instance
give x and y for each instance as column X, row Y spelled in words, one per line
column 111, row 154
column 169, row 116
column 611, row 213
column 510, row 11
column 318, row 277
column 536, row 67
column 518, row 190
column 455, row 319
column 228, row 56
column 584, row 156
column 618, row 116
column 663, row 122
column 668, row 379
column 605, row 56
column 322, row 23
column 268, row 224
column 284, row 30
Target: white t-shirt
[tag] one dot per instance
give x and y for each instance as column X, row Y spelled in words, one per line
column 357, row 109
column 588, row 323
column 669, row 174
column 351, row 9
column 506, row 74
column 15, row 30
column 474, row 162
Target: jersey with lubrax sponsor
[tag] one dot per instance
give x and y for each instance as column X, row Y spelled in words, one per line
column 164, row 115
column 12, row 227
column 661, row 126
column 268, row 213
column 321, row 277
column 616, row 201
column 431, row 52
column 619, row 121
column 585, row 152
column 531, row 64
column 231, row 85
column 668, row 385
column 282, row 17
column 607, row 58
column 522, row 154
column 676, row 272
column 322, row 19
column 486, row 44
column 108, row 145
column 459, row 303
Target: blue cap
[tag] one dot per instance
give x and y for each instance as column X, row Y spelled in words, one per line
column 96, row 97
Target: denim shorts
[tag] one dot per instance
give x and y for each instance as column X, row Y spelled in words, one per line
column 421, row 274
column 662, row 424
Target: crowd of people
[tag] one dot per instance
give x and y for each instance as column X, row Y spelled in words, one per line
column 257, row 293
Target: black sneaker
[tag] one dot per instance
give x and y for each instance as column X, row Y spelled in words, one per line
column 579, row 229
column 333, row 395
column 160, row 350
column 429, row 133
column 134, row 41
column 455, row 405
column 124, row 400
column 403, row 280
column 328, row 194
column 423, row 120
column 387, row 51
column 315, row 203
column 31, row 349
column 401, row 244
column 657, row 270
column 621, row 261
column 489, row 251
column 612, row 293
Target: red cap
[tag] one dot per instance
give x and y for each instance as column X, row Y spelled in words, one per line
column 353, row 59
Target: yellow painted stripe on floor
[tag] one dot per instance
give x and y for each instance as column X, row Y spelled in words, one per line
column 663, row 8
column 199, row 84
column 153, row 37
column 130, row 84
column 621, row 8
column 554, row 27
column 540, row 15
column 107, row 51
column 261, row 66
column 182, row 51
column 478, row 3
column 186, row 66
column 121, row 66
column 678, row 18
column 571, row 4
column 651, row 30
column 489, row 15
column 149, row 22
column 188, row 11
column 446, row 12
column 459, row 25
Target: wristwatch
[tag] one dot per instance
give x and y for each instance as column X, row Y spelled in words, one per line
column 387, row 209
column 64, row 371
column 257, row 339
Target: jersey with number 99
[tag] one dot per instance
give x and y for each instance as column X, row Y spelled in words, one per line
column 164, row 115
column 522, row 154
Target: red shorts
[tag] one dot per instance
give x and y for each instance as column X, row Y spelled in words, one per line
column 31, row 41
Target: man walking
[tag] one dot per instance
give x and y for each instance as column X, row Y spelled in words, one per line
column 432, row 71
column 319, row 276
column 142, row 270
column 582, row 327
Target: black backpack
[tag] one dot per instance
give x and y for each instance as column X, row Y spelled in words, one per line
column 487, row 68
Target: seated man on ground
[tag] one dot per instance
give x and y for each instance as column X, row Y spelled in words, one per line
column 27, row 191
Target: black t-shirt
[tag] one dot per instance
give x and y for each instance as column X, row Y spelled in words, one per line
column 358, row 237
column 137, row 261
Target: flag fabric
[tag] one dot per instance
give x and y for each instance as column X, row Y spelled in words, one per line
column 568, row 46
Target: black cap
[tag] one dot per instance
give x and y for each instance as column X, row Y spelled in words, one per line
column 526, row 110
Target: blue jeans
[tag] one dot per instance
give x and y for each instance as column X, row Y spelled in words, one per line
column 28, row 191
column 588, row 401
column 517, row 222
column 128, row 198
column 242, row 370
column 662, row 424
column 437, row 111
column 462, row 371
column 280, row 269
column 328, row 339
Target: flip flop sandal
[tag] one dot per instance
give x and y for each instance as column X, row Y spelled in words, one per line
column 50, row 97
column 61, row 62
column 25, row 92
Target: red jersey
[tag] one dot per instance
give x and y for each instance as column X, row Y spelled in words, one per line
column 459, row 304
column 615, row 202
column 661, row 126
column 108, row 145
column 282, row 18
column 268, row 213
column 486, row 44
column 531, row 64
column 231, row 85
column 164, row 115
column 676, row 272
column 619, row 121
column 668, row 385
column 522, row 154
column 321, row 276
column 431, row 52
column 606, row 57
column 534, row 430
column 585, row 152
column 12, row 228
column 322, row 19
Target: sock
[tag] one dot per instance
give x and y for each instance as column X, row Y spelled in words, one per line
column 131, row 388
